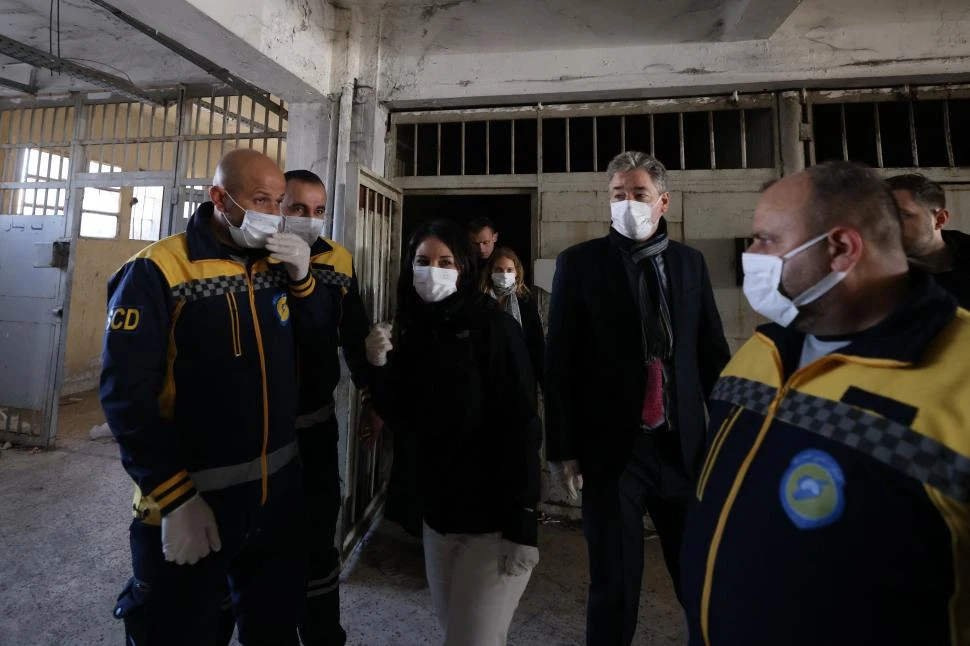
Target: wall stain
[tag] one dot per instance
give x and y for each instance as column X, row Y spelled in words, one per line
column 430, row 10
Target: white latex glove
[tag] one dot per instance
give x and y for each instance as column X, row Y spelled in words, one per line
column 378, row 344
column 291, row 250
column 190, row 532
column 515, row 559
column 570, row 477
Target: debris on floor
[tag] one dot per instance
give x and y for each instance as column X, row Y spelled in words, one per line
column 100, row 431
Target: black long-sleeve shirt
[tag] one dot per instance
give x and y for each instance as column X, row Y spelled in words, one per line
column 460, row 382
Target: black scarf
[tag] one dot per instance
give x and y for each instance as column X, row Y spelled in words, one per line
column 642, row 260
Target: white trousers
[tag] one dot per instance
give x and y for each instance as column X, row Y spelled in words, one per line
column 472, row 599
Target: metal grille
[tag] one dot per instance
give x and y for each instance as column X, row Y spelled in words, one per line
column 927, row 127
column 35, row 150
column 708, row 133
column 375, row 224
column 110, row 169
column 375, row 240
column 156, row 158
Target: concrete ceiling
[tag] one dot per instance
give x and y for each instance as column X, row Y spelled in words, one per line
column 92, row 37
column 469, row 26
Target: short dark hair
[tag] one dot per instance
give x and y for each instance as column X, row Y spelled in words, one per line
column 451, row 235
column 480, row 223
column 925, row 191
column 305, row 176
column 851, row 194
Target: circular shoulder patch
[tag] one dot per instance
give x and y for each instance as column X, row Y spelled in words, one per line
column 813, row 490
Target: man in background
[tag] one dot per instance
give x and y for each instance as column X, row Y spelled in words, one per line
column 945, row 253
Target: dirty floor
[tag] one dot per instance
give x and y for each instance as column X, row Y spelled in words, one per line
column 64, row 557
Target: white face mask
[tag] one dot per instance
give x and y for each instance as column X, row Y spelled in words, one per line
column 256, row 227
column 435, row 284
column 633, row 219
column 307, row 228
column 504, row 280
column 762, row 278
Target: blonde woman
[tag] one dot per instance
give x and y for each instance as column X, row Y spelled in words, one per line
column 504, row 280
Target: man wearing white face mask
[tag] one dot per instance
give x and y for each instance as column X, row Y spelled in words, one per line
column 304, row 208
column 635, row 345
column 833, row 507
column 199, row 388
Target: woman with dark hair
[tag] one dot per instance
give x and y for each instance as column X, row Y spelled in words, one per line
column 503, row 279
column 458, row 379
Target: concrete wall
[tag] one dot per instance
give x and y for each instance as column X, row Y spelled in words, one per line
column 824, row 43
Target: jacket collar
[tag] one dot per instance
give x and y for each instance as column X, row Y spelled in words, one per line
column 902, row 337
column 959, row 243
column 203, row 244
column 321, row 245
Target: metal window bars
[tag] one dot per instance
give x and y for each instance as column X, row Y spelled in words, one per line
column 175, row 144
column 584, row 137
column 901, row 127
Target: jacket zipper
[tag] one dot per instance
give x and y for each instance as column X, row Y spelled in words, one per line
column 265, row 386
column 234, row 322
column 716, row 445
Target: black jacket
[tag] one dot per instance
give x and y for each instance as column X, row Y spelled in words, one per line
column 595, row 373
column 459, row 382
column 199, row 366
column 957, row 280
column 833, row 505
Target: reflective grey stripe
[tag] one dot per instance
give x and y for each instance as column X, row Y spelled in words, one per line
column 316, row 417
column 225, row 477
column 753, row 395
column 896, row 445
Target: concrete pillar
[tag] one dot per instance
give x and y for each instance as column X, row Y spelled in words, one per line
column 309, row 138
column 362, row 125
column 789, row 133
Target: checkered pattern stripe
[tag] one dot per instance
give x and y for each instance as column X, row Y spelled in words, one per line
column 194, row 290
column 889, row 442
column 752, row 395
column 331, row 278
column 275, row 278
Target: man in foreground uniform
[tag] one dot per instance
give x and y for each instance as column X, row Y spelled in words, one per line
column 198, row 387
column 304, row 206
column 834, row 505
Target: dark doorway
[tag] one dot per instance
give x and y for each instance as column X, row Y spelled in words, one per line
column 512, row 215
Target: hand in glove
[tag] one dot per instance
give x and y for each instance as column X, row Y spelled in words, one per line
column 378, row 344
column 291, row 250
column 190, row 532
column 515, row 559
column 570, row 477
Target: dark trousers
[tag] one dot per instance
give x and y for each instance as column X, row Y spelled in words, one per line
column 321, row 485
column 655, row 481
column 262, row 561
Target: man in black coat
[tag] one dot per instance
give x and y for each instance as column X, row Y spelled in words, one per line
column 945, row 253
column 635, row 346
